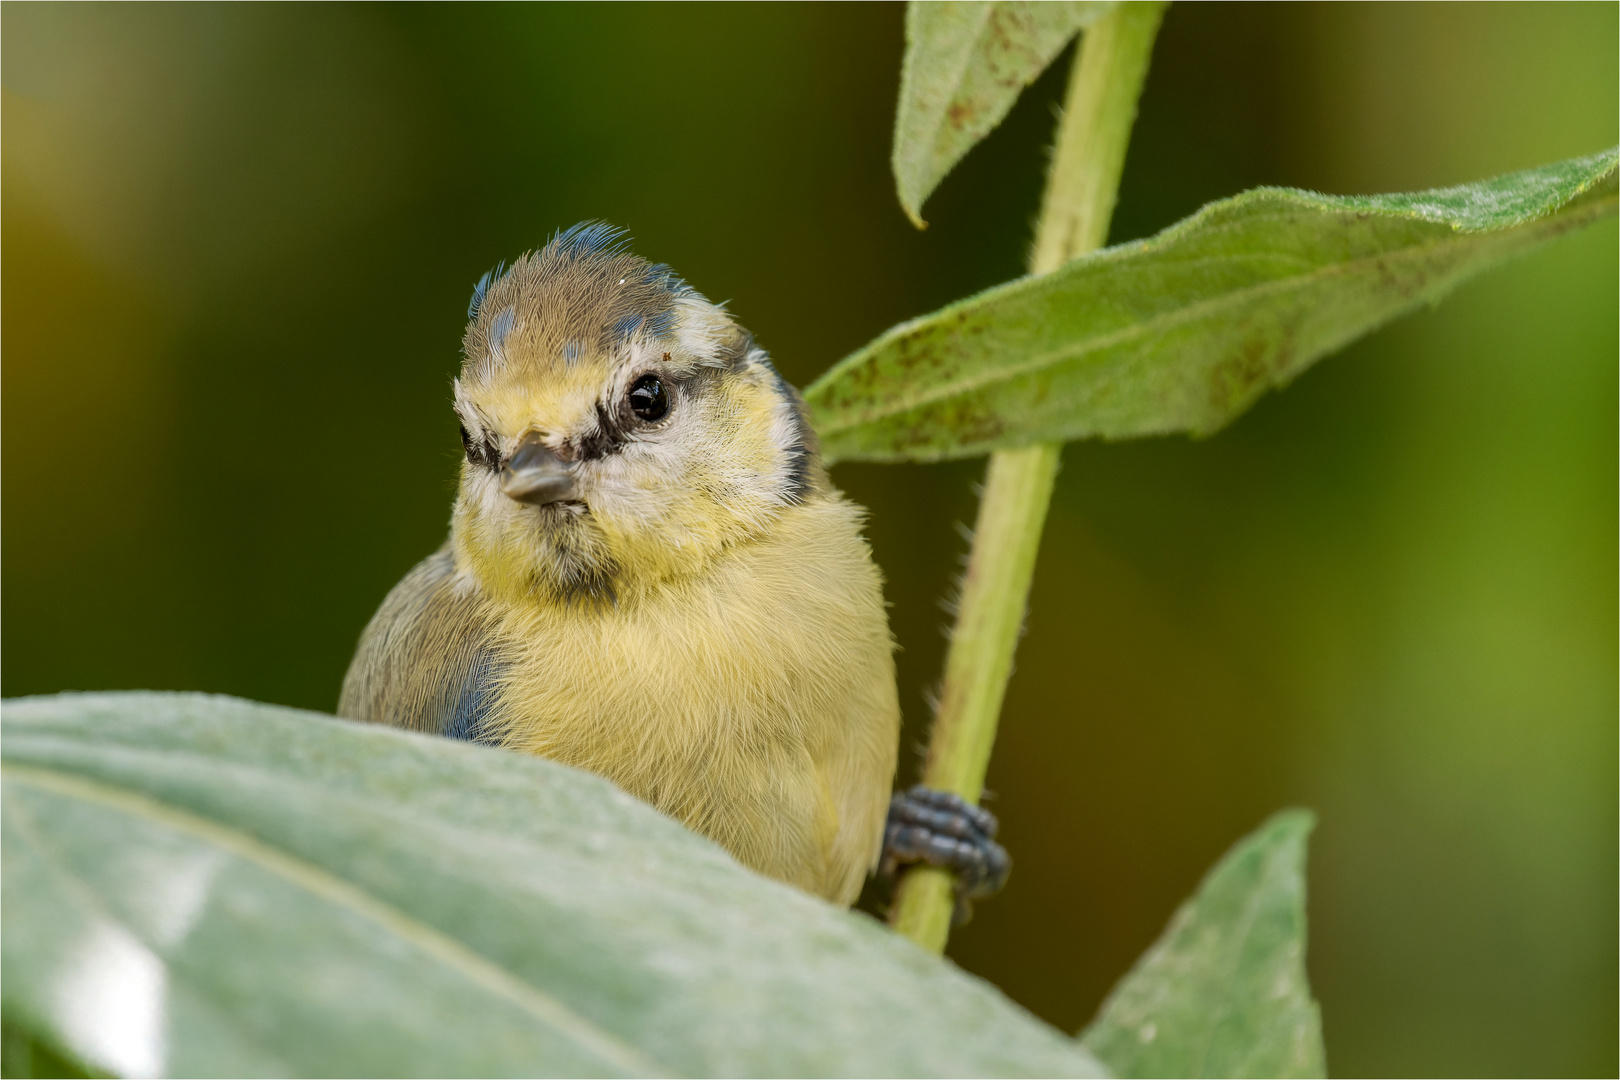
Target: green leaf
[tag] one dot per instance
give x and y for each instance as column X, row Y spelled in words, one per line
column 198, row 885
column 966, row 63
column 24, row 1055
column 1223, row 993
column 1183, row 331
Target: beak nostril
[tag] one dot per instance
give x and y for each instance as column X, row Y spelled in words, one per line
column 534, row 474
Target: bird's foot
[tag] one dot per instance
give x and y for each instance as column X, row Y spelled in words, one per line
column 945, row 830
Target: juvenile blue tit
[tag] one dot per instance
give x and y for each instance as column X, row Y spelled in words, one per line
column 649, row 574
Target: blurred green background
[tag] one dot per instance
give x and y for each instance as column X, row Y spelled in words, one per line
column 238, row 244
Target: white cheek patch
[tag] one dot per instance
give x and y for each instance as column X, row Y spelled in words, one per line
column 639, row 480
column 785, row 435
column 680, row 483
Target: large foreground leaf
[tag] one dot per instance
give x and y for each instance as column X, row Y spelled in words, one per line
column 966, row 62
column 1181, row 332
column 1223, row 993
column 203, row 886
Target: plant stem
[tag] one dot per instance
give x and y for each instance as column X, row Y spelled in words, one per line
column 1083, row 184
column 1079, row 202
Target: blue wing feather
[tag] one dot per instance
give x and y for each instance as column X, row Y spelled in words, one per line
column 428, row 660
column 469, row 715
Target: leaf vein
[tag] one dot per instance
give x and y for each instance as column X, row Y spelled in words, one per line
column 315, row 879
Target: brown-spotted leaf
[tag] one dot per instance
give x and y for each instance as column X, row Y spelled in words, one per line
column 1183, row 331
column 966, row 63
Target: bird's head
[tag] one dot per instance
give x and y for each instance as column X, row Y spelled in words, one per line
column 620, row 429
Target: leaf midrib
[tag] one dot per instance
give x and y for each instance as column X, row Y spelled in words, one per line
column 79, row 891
column 315, row 879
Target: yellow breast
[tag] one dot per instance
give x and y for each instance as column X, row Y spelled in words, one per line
column 755, row 701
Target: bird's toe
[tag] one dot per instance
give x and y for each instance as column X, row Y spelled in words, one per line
column 943, row 829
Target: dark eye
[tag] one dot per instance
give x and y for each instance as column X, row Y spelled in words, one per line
column 648, row 398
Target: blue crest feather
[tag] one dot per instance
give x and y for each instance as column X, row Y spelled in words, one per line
column 501, row 327
column 482, row 287
column 590, row 238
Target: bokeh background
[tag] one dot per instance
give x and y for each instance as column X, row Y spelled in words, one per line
column 238, row 243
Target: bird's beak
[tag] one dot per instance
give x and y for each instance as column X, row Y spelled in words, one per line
column 535, row 475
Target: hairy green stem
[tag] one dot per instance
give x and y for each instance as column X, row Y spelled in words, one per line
column 1080, row 192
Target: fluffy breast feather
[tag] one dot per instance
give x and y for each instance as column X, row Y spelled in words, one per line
column 755, row 702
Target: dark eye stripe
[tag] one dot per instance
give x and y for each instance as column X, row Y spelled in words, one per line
column 605, row 439
column 483, row 453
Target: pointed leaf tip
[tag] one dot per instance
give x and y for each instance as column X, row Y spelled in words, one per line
column 1223, row 993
